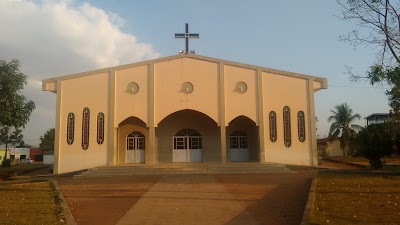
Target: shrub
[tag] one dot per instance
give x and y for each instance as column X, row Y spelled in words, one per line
column 6, row 174
column 6, row 163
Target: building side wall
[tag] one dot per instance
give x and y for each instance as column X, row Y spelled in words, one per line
column 90, row 92
column 131, row 104
column 168, row 96
column 281, row 91
column 238, row 104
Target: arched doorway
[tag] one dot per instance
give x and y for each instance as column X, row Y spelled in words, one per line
column 239, row 146
column 187, row 146
column 242, row 144
column 135, row 145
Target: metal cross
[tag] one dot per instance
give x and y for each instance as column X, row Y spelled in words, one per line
column 186, row 35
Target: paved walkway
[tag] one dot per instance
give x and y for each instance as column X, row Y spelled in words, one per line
column 273, row 199
column 185, row 199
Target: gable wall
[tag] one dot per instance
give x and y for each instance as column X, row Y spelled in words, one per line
column 168, row 79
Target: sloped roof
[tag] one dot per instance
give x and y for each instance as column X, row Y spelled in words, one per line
column 193, row 56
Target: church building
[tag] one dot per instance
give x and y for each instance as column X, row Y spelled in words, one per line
column 184, row 108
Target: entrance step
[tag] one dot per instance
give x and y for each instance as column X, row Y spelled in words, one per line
column 184, row 168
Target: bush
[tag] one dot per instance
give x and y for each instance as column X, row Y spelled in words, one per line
column 6, row 163
column 6, row 174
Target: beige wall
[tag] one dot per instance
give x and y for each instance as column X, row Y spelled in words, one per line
column 168, row 78
column 281, row 91
column 188, row 119
column 131, row 104
column 91, row 92
column 238, row 104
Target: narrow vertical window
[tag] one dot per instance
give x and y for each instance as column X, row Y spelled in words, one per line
column 287, row 138
column 70, row 128
column 100, row 128
column 85, row 128
column 301, row 126
column 272, row 126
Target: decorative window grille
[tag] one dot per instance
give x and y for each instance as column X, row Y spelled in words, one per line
column 272, row 127
column 100, row 128
column 85, row 128
column 287, row 138
column 70, row 128
column 135, row 141
column 187, row 139
column 239, row 140
column 301, row 125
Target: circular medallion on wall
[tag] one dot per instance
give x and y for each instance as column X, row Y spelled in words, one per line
column 187, row 88
column 132, row 88
column 241, row 87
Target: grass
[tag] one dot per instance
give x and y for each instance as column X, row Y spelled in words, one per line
column 30, row 203
column 23, row 168
column 356, row 199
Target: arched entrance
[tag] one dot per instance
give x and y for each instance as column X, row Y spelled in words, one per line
column 239, row 146
column 187, row 146
column 243, row 140
column 188, row 136
column 135, row 146
column 133, row 141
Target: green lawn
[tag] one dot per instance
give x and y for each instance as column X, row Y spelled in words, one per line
column 356, row 199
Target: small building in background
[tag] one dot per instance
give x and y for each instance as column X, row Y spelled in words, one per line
column 19, row 153
column 376, row 118
column 36, row 154
column 329, row 147
column 2, row 153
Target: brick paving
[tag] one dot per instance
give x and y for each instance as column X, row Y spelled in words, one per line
column 186, row 199
column 189, row 199
column 270, row 198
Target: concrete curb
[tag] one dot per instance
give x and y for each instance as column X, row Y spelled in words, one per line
column 310, row 202
column 67, row 212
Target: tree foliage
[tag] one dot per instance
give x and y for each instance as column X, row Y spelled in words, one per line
column 378, row 23
column 342, row 118
column 47, row 140
column 15, row 109
column 373, row 143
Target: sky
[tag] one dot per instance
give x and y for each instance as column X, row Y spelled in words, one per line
column 61, row 37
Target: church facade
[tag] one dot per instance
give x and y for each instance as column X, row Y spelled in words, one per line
column 184, row 108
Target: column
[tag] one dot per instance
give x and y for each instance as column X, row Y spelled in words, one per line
column 260, row 105
column 57, row 153
column 222, row 111
column 312, row 133
column 152, row 134
column 112, row 153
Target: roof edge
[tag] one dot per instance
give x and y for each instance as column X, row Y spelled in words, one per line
column 199, row 57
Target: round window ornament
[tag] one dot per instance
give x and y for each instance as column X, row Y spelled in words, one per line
column 241, row 87
column 187, row 88
column 132, row 88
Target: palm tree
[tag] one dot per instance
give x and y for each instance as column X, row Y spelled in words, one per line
column 341, row 127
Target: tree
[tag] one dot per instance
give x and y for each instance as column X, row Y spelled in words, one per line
column 15, row 109
column 378, row 24
column 341, row 126
column 47, row 140
column 373, row 143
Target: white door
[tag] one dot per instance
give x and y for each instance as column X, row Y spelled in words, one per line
column 135, row 148
column 187, row 146
column 239, row 147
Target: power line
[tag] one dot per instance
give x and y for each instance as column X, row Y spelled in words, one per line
column 348, row 86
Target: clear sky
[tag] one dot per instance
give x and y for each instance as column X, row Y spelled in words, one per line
column 53, row 38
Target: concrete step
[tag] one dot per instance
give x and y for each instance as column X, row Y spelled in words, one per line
column 184, row 168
